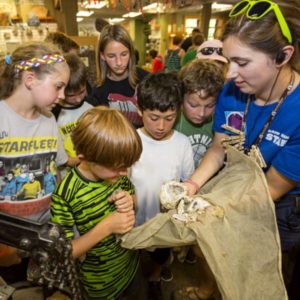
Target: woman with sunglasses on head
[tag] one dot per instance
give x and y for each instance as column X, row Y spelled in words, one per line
column 262, row 100
column 119, row 74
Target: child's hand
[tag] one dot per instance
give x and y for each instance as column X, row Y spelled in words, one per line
column 123, row 201
column 121, row 223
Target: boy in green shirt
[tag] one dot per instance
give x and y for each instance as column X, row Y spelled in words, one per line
column 97, row 198
column 202, row 82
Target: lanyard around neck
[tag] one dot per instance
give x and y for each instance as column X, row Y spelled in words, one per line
column 271, row 116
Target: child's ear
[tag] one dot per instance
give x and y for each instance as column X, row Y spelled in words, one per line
column 80, row 157
column 28, row 79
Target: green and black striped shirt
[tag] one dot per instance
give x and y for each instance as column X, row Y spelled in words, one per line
column 78, row 203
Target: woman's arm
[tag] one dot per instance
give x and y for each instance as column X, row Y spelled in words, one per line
column 210, row 164
column 278, row 184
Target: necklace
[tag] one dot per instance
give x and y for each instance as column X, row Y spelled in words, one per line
column 238, row 141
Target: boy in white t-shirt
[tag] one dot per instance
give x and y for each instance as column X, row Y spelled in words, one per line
column 167, row 154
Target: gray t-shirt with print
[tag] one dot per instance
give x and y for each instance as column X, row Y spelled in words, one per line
column 30, row 150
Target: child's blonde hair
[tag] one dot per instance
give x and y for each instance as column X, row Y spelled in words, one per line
column 10, row 76
column 104, row 136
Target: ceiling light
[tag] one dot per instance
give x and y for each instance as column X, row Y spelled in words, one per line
column 115, row 20
column 84, row 13
column 220, row 7
column 94, row 4
column 153, row 7
column 132, row 14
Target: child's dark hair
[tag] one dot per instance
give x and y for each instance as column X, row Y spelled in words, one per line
column 177, row 40
column 203, row 76
column 10, row 172
column 153, row 53
column 198, row 39
column 161, row 91
column 62, row 41
column 78, row 73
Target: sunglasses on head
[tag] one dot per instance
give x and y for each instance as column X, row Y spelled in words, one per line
column 211, row 50
column 255, row 10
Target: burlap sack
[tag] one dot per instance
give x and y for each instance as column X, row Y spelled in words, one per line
column 243, row 248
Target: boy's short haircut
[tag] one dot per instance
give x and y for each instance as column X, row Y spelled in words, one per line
column 78, row 73
column 198, row 39
column 203, row 76
column 153, row 53
column 62, row 41
column 104, row 136
column 160, row 91
column 177, row 40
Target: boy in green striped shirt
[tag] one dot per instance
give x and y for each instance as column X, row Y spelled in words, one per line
column 97, row 198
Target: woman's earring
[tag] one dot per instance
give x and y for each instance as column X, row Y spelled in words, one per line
column 280, row 57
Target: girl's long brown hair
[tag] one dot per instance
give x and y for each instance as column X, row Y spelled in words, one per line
column 119, row 34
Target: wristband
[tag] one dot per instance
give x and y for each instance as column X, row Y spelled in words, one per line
column 193, row 183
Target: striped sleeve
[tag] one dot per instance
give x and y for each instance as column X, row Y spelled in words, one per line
column 61, row 211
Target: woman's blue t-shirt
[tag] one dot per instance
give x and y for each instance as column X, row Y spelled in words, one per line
column 280, row 145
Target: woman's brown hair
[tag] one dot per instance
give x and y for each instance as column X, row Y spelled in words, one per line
column 265, row 34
